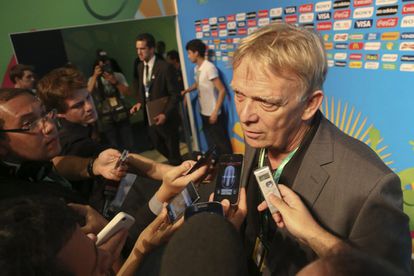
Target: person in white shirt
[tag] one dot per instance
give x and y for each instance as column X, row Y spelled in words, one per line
column 211, row 94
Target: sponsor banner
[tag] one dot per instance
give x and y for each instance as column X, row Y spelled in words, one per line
column 323, row 6
column 406, row 67
column 198, row 29
column 323, row 16
column 389, row 66
column 387, row 22
column 328, row 45
column 407, row 35
column 390, row 36
column 232, row 32
column 363, row 24
column 309, row 26
column 213, row 27
column 216, row 41
column 222, row 19
column 291, row 18
column 389, row 57
column 407, row 46
column 340, row 63
column 342, row 25
column 222, row 26
column 212, row 20
column 206, row 28
column 306, row 8
column 206, row 34
column 341, row 4
column 356, row 46
column 251, row 15
column 341, row 37
column 290, row 10
column 324, row 26
column 242, row 31
column 225, row 59
column 263, row 13
column 236, row 40
column 241, row 24
column 240, row 16
column 329, row 55
column 341, row 46
column 230, row 54
column 385, row 2
column 231, row 25
column 371, row 65
column 222, row 33
column 390, row 46
column 408, row 9
column 276, row 12
column 363, row 12
column 385, row 11
column 306, row 17
column 362, row 3
column 407, row 21
column 342, row 14
column 355, row 64
column 356, row 36
column 218, row 53
column 251, row 23
column 214, row 33
column 372, row 46
column 340, row 56
column 204, row 21
column 230, row 47
column 372, row 57
column 326, row 37
column 330, row 63
column 372, row 36
column 263, row 21
column 199, row 35
column 231, row 17
column 276, row 19
column 251, row 30
column 223, row 47
column 197, row 22
column 355, row 56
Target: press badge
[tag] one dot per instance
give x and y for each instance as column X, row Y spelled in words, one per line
column 259, row 254
column 113, row 101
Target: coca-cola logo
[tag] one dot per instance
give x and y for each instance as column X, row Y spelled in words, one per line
column 387, row 22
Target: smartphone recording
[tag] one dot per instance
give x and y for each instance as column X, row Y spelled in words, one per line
column 228, row 178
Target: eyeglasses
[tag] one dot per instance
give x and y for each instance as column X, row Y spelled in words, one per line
column 35, row 125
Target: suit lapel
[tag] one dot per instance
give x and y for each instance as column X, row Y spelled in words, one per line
column 154, row 73
column 312, row 176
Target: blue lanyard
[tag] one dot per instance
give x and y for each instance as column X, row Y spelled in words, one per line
column 279, row 170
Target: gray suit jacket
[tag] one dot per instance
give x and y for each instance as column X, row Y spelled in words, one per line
column 351, row 193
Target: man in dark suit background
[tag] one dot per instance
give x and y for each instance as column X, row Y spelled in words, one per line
column 336, row 189
column 157, row 79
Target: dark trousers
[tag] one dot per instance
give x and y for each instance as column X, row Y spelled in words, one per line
column 119, row 135
column 165, row 139
column 216, row 134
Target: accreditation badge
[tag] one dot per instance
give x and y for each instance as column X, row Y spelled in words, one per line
column 259, row 254
column 113, row 101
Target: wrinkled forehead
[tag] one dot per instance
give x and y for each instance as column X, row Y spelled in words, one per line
column 21, row 105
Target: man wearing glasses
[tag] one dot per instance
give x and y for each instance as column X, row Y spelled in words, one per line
column 29, row 141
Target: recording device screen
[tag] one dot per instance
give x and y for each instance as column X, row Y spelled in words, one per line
column 181, row 201
column 228, row 178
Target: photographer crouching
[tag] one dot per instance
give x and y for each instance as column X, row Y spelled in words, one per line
column 108, row 89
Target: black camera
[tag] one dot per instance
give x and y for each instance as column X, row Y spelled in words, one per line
column 107, row 68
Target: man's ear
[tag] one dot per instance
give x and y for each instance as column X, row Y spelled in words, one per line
column 313, row 102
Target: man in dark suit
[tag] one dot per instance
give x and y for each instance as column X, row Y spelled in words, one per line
column 336, row 189
column 156, row 80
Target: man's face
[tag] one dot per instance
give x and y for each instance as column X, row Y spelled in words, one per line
column 81, row 108
column 81, row 256
column 268, row 106
column 39, row 144
column 192, row 56
column 27, row 80
column 143, row 51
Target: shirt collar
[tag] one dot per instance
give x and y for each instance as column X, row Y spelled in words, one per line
column 151, row 62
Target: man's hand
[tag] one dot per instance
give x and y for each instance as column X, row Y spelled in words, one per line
column 176, row 179
column 213, row 118
column 94, row 222
column 294, row 215
column 158, row 232
column 160, row 119
column 135, row 108
column 105, row 163
column 235, row 214
column 97, row 71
